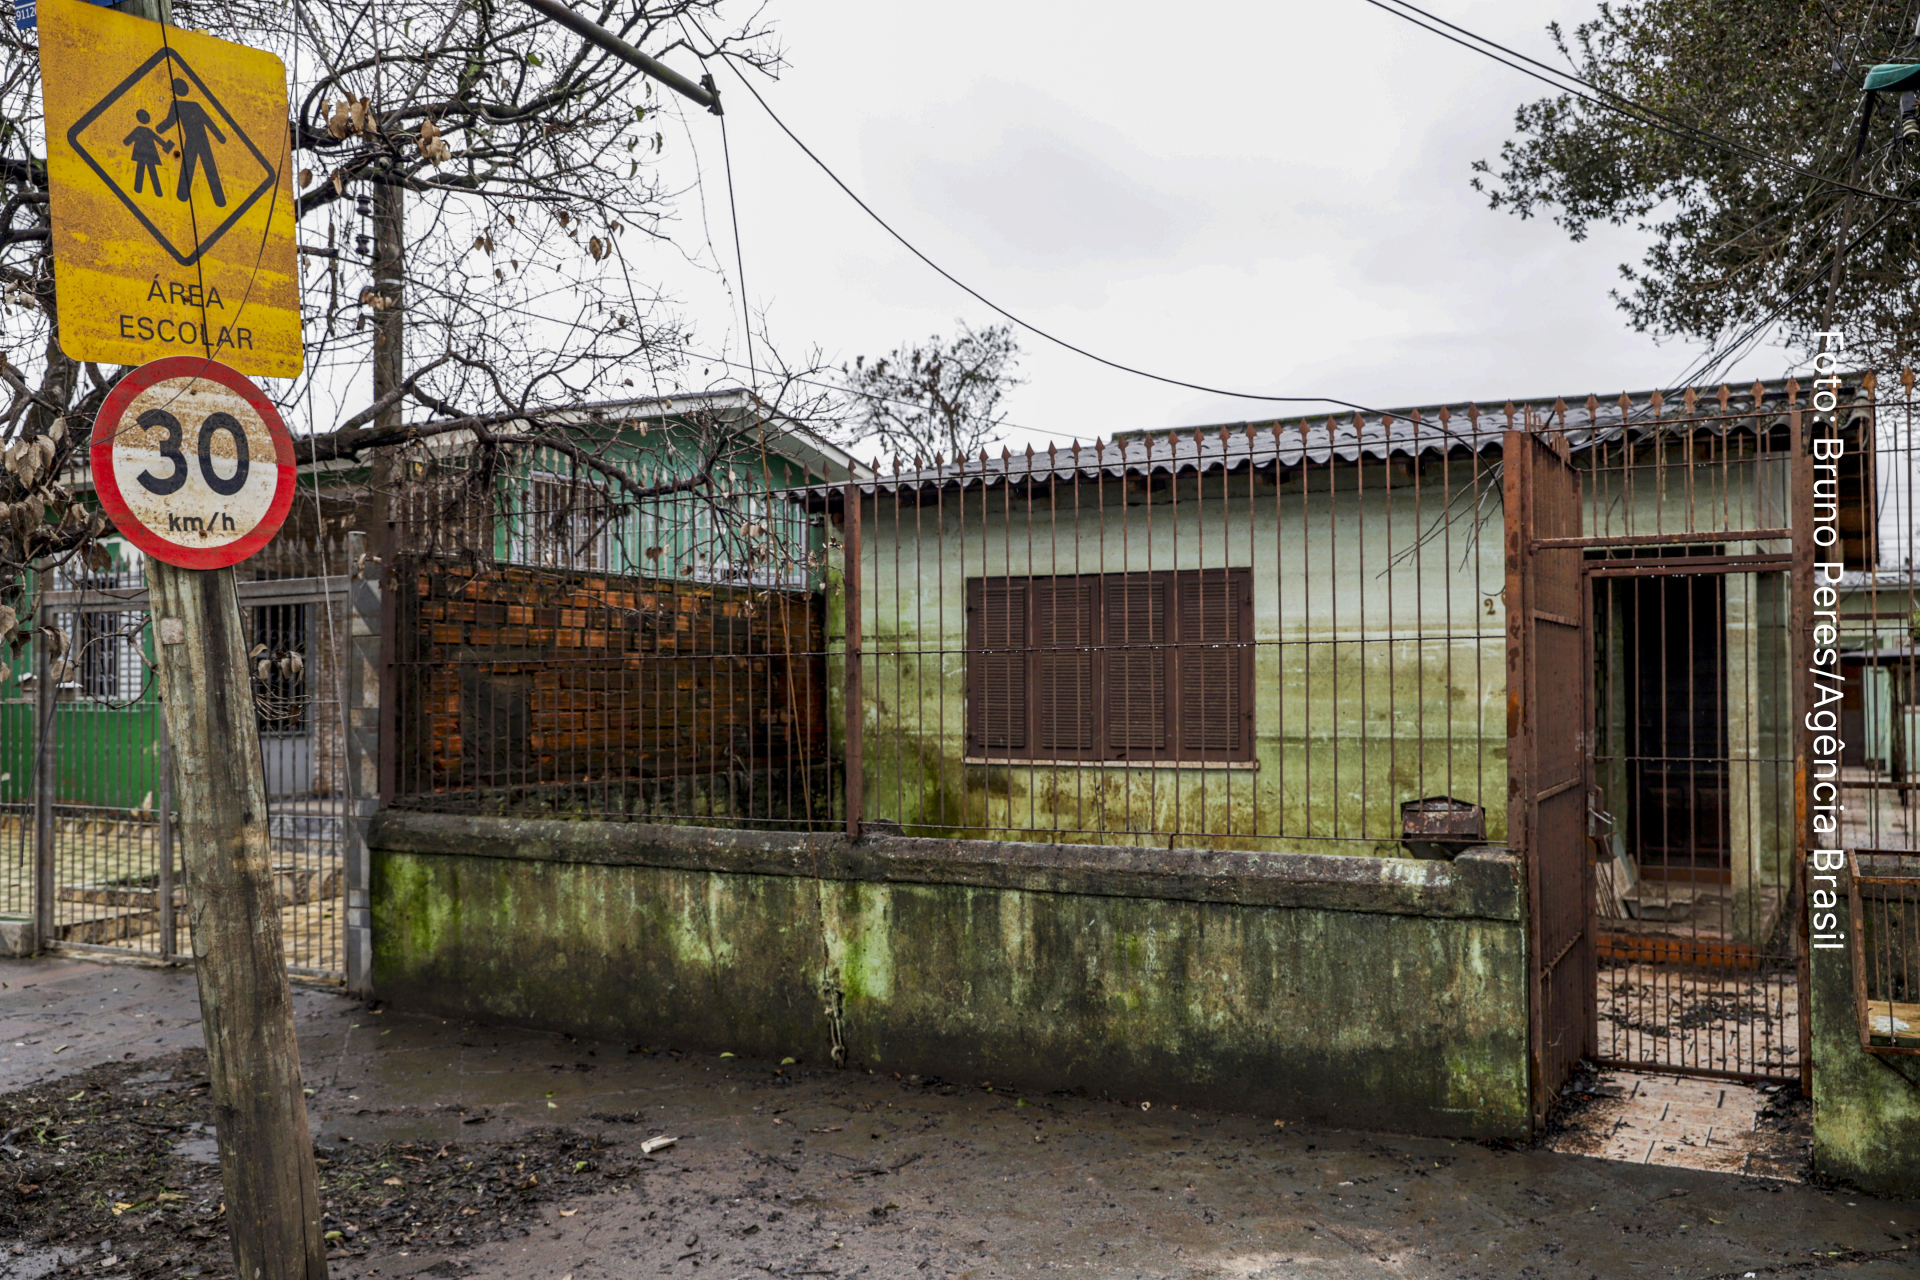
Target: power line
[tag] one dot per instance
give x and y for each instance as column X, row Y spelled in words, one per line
column 981, row 298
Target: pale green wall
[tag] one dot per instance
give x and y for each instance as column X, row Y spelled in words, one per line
column 1379, row 667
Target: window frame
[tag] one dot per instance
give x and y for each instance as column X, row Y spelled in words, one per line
column 1179, row 728
column 593, row 521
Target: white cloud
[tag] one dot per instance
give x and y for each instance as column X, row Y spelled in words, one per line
column 1264, row 197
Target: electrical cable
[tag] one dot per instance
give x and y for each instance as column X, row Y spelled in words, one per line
column 1608, row 99
column 981, row 298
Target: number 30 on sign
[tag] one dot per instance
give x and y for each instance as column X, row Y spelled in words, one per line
column 192, row 463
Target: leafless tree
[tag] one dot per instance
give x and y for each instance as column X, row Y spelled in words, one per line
column 937, row 397
column 476, row 189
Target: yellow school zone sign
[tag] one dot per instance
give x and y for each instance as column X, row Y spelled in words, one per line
column 167, row 162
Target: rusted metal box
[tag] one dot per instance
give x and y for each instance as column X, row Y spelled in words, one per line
column 1440, row 826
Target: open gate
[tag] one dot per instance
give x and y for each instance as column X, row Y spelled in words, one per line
column 1548, row 674
column 1652, row 651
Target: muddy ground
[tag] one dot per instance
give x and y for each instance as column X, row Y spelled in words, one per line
column 800, row 1169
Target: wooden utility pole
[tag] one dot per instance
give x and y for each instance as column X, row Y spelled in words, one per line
column 210, row 516
column 246, row 1006
column 389, row 270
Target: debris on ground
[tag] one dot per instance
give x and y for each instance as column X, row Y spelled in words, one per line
column 119, row 1160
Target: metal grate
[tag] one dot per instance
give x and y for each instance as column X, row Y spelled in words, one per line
column 88, row 815
column 1884, row 893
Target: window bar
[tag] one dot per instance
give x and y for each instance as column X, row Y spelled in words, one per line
column 1278, row 784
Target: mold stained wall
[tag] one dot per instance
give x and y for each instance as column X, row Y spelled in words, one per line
column 1379, row 671
column 1131, row 980
column 1866, row 1107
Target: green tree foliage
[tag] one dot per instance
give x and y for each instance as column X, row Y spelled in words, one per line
column 1736, row 242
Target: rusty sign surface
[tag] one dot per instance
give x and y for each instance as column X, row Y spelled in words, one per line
column 193, row 463
column 173, row 215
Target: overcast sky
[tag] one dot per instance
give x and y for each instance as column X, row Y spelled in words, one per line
column 1265, row 197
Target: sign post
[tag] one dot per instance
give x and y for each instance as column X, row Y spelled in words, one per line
column 167, row 167
column 196, row 469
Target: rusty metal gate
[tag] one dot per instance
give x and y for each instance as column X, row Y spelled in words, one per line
column 87, row 800
column 1547, row 761
column 1692, row 813
column 1680, row 562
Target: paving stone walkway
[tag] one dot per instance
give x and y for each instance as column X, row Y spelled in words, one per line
column 1683, row 1122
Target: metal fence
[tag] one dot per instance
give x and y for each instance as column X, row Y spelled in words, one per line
column 564, row 647
column 1279, row 637
column 1876, row 608
column 87, row 783
column 1262, row 638
column 1884, row 894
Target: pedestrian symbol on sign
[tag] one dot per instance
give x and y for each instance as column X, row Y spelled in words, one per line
column 218, row 161
column 172, row 213
column 195, row 124
column 147, row 146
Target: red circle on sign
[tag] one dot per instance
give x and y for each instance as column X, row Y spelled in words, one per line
column 108, row 425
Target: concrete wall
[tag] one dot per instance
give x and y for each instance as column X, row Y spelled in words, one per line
column 1383, row 993
column 1866, row 1107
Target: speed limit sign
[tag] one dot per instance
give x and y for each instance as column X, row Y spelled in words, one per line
column 192, row 463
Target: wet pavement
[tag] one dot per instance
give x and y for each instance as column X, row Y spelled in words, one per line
column 799, row 1169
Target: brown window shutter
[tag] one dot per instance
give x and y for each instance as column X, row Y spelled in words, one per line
column 997, row 688
column 1136, row 679
column 1209, row 666
column 1063, row 684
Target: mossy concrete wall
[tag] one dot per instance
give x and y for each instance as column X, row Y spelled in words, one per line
column 1866, row 1107
column 1379, row 993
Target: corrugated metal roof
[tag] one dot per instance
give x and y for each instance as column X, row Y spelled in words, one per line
column 1410, row 432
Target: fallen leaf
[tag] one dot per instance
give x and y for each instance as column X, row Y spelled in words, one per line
column 392, row 1182
column 121, row 1208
